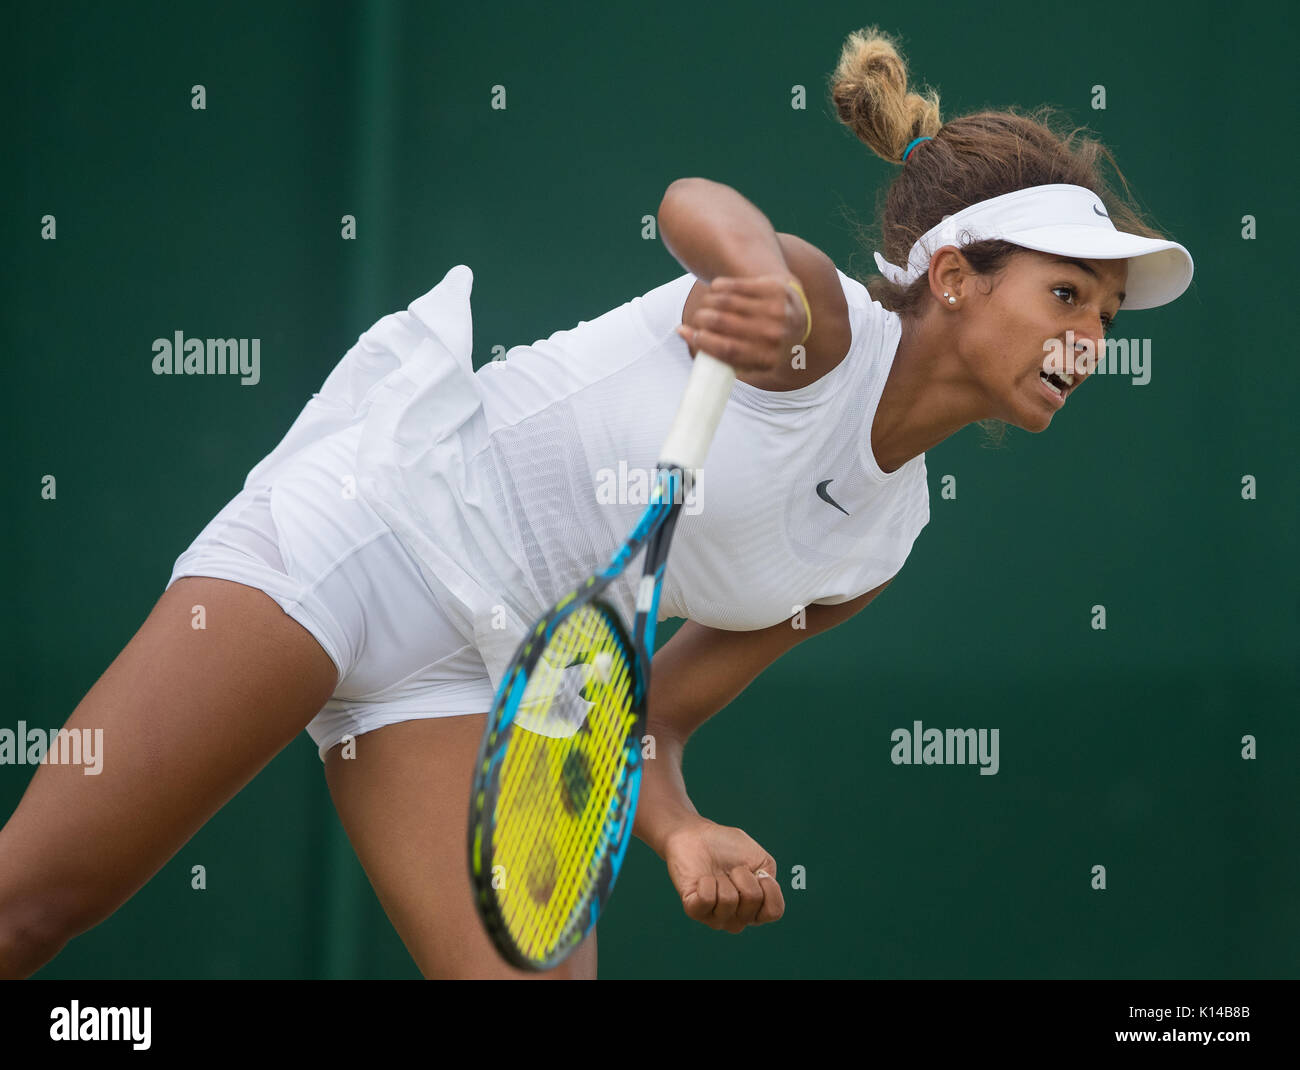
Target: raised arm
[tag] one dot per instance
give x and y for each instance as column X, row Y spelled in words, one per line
column 718, row 235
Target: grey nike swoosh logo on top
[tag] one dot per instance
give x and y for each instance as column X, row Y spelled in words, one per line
column 821, row 493
column 1100, row 212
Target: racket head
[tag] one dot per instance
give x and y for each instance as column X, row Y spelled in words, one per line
column 556, row 782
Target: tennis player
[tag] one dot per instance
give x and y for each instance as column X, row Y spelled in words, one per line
column 375, row 574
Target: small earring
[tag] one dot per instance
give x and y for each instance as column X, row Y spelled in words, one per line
column 951, row 300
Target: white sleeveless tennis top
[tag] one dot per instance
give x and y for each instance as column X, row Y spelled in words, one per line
column 513, row 484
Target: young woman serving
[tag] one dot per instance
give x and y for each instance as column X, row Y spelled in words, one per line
column 373, row 577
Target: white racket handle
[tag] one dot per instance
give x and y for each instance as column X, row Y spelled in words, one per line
column 697, row 417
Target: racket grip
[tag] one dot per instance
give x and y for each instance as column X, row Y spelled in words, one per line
column 697, row 417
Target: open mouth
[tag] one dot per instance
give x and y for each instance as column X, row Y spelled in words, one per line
column 1061, row 383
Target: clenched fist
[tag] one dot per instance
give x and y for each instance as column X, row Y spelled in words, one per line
column 750, row 322
column 725, row 879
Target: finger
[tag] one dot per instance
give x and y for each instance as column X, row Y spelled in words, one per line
column 756, row 297
column 735, row 301
column 750, row 306
column 762, row 324
column 726, row 349
column 773, row 898
column 724, row 912
column 736, row 324
column 687, row 335
column 699, row 902
column 749, row 284
column 751, row 896
column 747, row 348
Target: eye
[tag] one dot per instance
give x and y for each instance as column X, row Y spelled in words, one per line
column 1106, row 321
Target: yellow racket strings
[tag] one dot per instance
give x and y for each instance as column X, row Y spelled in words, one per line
column 552, row 873
column 548, row 862
column 545, row 844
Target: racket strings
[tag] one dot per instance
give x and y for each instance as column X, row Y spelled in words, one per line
column 591, row 836
column 559, row 850
column 568, row 859
column 531, row 767
column 539, row 697
column 548, row 848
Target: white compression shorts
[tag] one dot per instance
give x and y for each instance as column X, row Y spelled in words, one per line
column 308, row 540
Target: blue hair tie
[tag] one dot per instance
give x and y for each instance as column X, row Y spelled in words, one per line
column 912, row 144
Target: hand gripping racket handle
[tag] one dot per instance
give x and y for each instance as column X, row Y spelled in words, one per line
column 697, row 417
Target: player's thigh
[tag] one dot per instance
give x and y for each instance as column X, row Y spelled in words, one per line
column 184, row 717
column 404, row 802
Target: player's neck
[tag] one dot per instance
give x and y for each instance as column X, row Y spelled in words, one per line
column 926, row 398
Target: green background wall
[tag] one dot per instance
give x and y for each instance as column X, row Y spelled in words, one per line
column 1118, row 747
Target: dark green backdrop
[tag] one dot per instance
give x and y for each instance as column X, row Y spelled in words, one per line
column 1119, row 747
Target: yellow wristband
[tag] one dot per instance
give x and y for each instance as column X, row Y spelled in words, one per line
column 807, row 310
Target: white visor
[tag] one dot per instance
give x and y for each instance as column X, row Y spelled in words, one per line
column 1062, row 219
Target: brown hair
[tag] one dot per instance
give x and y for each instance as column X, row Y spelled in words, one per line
column 969, row 159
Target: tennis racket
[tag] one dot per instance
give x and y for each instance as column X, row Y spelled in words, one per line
column 559, row 767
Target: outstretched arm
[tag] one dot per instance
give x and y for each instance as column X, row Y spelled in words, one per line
column 695, row 674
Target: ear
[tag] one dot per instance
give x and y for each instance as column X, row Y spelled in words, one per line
column 949, row 270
